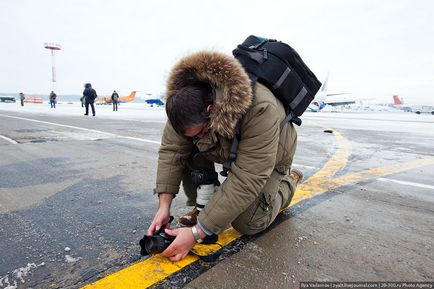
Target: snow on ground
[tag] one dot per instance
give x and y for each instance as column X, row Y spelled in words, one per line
column 17, row 275
column 402, row 122
column 126, row 111
column 385, row 121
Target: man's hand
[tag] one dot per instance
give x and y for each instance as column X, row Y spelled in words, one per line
column 161, row 217
column 182, row 244
column 163, row 214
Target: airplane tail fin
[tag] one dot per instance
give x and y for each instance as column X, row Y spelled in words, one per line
column 128, row 98
column 397, row 100
column 322, row 93
column 132, row 95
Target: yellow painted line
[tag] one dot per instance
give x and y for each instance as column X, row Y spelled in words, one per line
column 143, row 274
column 371, row 173
column 316, row 184
column 305, row 191
column 156, row 268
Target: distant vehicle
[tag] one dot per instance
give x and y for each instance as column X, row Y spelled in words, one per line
column 122, row 99
column 7, row 99
column 422, row 109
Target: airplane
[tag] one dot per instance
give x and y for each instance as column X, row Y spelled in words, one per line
column 7, row 99
column 398, row 103
column 320, row 101
column 33, row 99
column 154, row 101
column 121, row 99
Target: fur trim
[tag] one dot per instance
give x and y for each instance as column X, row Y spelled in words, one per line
column 223, row 72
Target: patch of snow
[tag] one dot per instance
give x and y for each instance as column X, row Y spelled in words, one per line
column 70, row 259
column 18, row 274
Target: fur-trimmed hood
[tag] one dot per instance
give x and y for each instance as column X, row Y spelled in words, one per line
column 225, row 74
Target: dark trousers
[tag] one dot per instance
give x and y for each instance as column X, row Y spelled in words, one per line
column 22, row 102
column 196, row 161
column 115, row 105
column 53, row 103
column 86, row 104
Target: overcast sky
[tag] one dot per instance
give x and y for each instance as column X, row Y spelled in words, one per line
column 373, row 49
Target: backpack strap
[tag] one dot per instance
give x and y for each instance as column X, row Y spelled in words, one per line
column 291, row 117
column 233, row 151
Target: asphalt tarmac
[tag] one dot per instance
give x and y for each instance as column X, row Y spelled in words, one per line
column 76, row 196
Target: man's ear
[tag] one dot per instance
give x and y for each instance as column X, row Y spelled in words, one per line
column 208, row 108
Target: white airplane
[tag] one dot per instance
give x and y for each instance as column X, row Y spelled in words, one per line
column 320, row 101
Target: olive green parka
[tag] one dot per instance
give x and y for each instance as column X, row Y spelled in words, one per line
column 262, row 148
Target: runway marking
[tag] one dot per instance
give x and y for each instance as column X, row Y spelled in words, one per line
column 315, row 183
column 407, row 183
column 304, row 191
column 83, row 128
column 8, row 139
column 156, row 268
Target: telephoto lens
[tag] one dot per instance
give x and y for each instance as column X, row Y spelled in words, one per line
column 156, row 243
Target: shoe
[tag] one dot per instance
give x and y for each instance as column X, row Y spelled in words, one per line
column 189, row 219
column 297, row 175
column 86, row 114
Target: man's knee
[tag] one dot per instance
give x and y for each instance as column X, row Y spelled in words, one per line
column 256, row 218
column 246, row 229
column 276, row 195
column 286, row 190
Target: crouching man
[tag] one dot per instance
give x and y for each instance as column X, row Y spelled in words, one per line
column 208, row 93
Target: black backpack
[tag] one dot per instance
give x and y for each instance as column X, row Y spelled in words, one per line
column 93, row 94
column 279, row 67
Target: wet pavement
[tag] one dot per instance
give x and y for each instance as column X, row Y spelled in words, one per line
column 74, row 203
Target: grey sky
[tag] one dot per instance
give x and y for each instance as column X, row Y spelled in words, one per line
column 373, row 49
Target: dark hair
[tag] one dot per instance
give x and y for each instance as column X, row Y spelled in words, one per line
column 187, row 106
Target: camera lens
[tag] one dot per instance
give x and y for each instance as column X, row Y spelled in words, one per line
column 155, row 244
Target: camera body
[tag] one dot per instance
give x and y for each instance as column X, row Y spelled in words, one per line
column 156, row 243
column 203, row 177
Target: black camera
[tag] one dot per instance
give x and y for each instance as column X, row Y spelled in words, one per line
column 156, row 243
column 203, row 177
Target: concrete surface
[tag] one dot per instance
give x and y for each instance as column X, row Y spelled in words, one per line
column 76, row 196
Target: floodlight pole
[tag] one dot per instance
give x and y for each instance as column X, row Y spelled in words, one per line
column 53, row 47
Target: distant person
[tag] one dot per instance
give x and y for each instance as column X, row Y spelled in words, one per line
column 22, row 98
column 89, row 98
column 53, row 98
column 115, row 97
column 82, row 101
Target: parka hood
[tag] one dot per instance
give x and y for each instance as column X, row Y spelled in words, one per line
column 232, row 85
